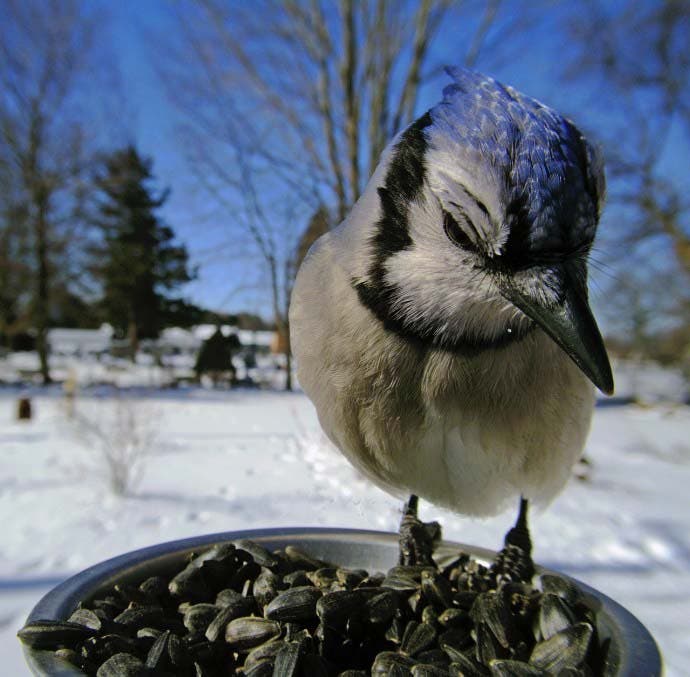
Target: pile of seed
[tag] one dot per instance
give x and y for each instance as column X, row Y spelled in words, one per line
column 238, row 609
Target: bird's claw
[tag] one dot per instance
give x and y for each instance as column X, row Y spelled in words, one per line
column 514, row 560
column 417, row 539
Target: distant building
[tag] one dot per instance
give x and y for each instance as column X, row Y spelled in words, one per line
column 172, row 341
column 176, row 341
column 80, row 342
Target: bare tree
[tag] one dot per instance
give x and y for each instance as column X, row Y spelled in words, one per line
column 44, row 48
column 640, row 55
column 290, row 102
column 14, row 269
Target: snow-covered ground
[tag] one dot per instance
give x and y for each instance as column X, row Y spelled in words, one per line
column 237, row 460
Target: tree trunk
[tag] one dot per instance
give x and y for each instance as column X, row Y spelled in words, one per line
column 39, row 193
column 352, row 105
column 288, row 357
column 42, row 293
column 133, row 338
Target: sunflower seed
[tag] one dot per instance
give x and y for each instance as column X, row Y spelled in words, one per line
column 198, row 617
column 99, row 649
column 216, row 628
column 488, row 647
column 136, row 617
column 246, row 633
column 87, row 618
column 149, row 634
column 507, row 668
column 467, row 667
column 166, row 652
column 263, row 668
column 350, row 578
column 490, row 608
column 296, row 579
column 560, row 586
column 287, row 660
column 155, row 587
column 387, row 661
column 453, row 618
column 322, row 578
column 401, row 582
column 294, row 604
column 122, row 665
column 417, row 638
column 53, row 634
column 565, row 649
column 269, row 649
column 554, row 616
column 335, row 608
column 190, row 584
column 258, row 553
column 293, row 614
column 266, row 586
column 423, row 670
column 436, row 589
column 381, row 608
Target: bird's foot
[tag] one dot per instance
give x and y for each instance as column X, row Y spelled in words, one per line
column 417, row 539
column 514, row 560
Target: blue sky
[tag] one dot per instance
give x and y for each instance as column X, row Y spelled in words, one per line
column 151, row 122
column 148, row 118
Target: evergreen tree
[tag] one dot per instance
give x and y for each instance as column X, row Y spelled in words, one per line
column 140, row 264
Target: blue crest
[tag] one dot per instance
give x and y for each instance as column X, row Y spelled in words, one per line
column 543, row 156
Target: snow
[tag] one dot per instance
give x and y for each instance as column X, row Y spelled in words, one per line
column 649, row 382
column 243, row 459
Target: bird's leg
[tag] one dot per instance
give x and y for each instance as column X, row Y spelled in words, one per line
column 519, row 534
column 514, row 561
column 417, row 539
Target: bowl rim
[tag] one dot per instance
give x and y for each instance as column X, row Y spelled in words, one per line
column 637, row 654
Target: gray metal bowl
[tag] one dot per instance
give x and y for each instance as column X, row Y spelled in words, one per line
column 633, row 650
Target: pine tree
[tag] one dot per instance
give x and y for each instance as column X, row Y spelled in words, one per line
column 140, row 264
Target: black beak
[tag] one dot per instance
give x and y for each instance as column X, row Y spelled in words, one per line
column 571, row 325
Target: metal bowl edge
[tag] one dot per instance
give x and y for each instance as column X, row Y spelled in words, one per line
column 634, row 652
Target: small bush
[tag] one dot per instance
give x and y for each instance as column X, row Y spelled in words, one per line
column 123, row 437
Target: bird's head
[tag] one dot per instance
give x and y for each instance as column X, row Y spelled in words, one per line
column 489, row 205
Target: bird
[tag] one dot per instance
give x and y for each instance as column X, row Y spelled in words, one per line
column 443, row 330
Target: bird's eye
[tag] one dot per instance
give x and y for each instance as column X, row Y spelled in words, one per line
column 456, row 234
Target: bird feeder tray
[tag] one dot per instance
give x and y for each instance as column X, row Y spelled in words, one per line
column 631, row 650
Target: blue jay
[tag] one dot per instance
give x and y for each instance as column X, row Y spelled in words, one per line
column 443, row 330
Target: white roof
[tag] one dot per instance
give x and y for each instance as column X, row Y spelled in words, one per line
column 73, row 340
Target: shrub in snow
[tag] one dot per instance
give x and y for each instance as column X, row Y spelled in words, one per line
column 123, row 435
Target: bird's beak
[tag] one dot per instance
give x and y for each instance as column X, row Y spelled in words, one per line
column 571, row 325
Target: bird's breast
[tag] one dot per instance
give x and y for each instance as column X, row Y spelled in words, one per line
column 473, row 434
column 469, row 433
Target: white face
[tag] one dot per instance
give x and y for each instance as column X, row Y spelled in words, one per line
column 473, row 210
column 459, row 223
column 439, row 284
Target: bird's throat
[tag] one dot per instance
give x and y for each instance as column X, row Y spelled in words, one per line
column 433, row 333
